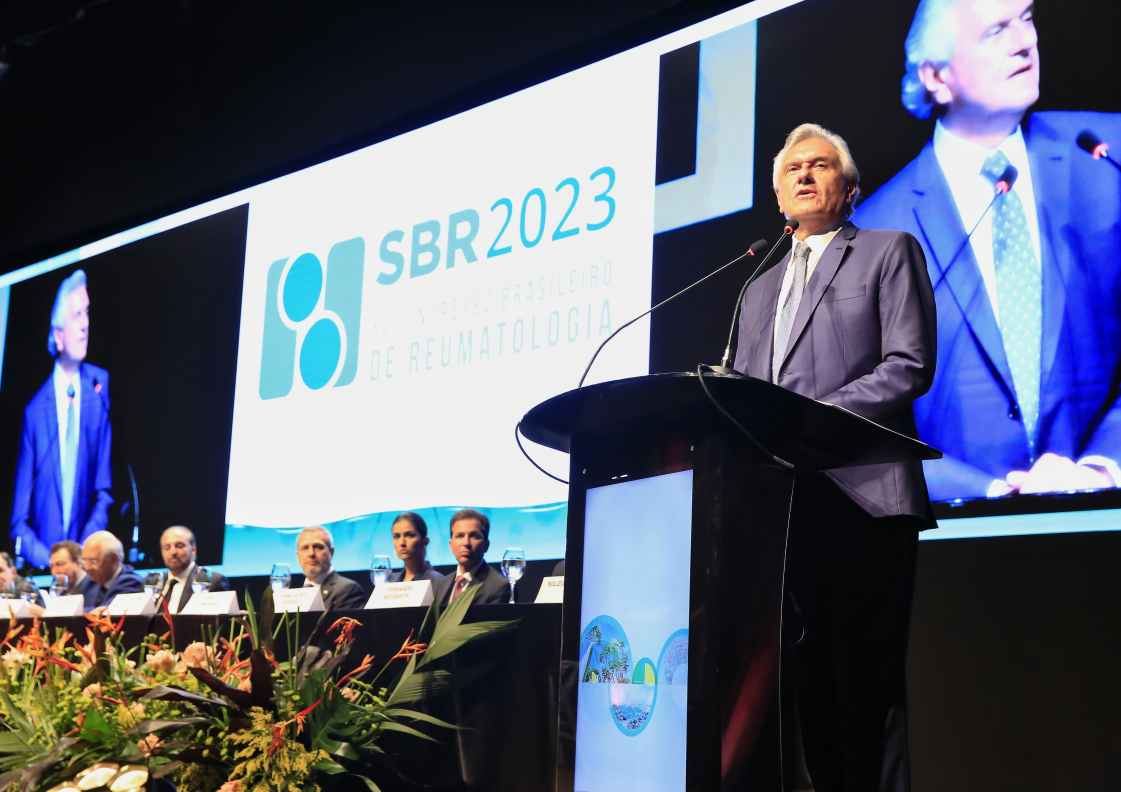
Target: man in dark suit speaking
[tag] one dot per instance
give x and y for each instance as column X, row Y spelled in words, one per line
column 63, row 480
column 469, row 542
column 847, row 318
column 1026, row 398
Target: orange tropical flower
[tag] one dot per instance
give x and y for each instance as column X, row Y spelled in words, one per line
column 346, row 627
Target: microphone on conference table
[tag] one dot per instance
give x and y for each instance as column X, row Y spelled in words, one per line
column 1003, row 184
column 1095, row 147
column 726, row 361
column 751, row 252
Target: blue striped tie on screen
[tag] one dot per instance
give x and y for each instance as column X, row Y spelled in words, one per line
column 1019, row 288
column 69, row 458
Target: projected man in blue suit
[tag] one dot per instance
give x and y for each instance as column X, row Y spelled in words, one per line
column 1025, row 398
column 62, row 476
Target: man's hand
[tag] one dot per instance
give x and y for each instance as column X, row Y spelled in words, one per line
column 1054, row 473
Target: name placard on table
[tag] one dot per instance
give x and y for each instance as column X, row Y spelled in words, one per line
column 551, row 591
column 140, row 603
column 303, row 600
column 211, row 603
column 67, row 605
column 406, row 594
column 15, row 609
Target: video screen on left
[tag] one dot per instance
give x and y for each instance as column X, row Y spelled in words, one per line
column 116, row 390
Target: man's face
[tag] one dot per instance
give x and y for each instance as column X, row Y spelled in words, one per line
column 995, row 66
column 72, row 339
column 177, row 547
column 314, row 553
column 63, row 564
column 99, row 565
column 407, row 541
column 811, row 187
column 7, row 574
column 468, row 543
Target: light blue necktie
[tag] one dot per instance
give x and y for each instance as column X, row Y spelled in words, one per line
column 1019, row 289
column 784, row 322
column 69, row 458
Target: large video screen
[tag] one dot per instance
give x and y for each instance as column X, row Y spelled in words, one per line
column 360, row 338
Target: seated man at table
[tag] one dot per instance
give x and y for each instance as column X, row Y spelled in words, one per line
column 178, row 548
column 410, row 542
column 12, row 584
column 470, row 540
column 103, row 559
column 315, row 547
column 66, row 561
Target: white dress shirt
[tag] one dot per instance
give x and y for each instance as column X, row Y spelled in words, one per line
column 174, row 604
column 961, row 161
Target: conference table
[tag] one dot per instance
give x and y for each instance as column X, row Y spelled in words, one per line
column 506, row 711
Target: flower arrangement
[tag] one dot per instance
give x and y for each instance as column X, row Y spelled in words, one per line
column 224, row 714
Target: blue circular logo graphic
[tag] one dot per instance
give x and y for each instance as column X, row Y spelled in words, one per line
column 302, row 287
column 320, row 353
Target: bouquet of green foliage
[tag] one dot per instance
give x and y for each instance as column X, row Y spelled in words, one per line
column 225, row 714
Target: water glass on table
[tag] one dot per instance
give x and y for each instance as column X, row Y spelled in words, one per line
column 153, row 582
column 379, row 569
column 201, row 581
column 280, row 578
column 513, row 567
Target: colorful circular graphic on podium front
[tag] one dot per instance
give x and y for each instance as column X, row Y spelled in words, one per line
column 632, row 704
column 605, row 652
column 605, row 658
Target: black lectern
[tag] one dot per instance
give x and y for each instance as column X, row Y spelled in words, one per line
column 680, row 493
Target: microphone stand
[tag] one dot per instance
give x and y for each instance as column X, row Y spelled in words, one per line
column 751, row 251
column 725, row 369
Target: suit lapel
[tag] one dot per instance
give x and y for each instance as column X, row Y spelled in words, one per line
column 85, row 421
column 48, row 421
column 327, row 589
column 1050, row 172
column 822, row 276
column 188, row 589
column 940, row 224
column 763, row 338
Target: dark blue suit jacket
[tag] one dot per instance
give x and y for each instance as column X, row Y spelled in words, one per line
column 37, row 502
column 863, row 339
column 128, row 582
column 970, row 412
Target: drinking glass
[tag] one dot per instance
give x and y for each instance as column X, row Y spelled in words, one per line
column 513, row 567
column 379, row 569
column 201, row 581
column 280, row 578
column 60, row 584
column 153, row 582
column 28, row 591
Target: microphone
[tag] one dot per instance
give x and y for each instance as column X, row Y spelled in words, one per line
column 750, row 252
column 135, row 554
column 725, row 362
column 1003, row 185
column 1095, row 147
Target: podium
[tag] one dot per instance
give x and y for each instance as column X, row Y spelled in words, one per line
column 681, row 488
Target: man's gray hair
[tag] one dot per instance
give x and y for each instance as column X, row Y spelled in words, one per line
column 108, row 544
column 76, row 280
column 848, row 164
column 930, row 40
column 322, row 530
